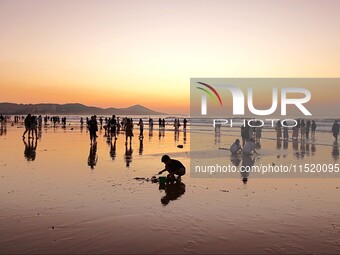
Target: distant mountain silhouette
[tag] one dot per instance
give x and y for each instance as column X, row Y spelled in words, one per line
column 67, row 109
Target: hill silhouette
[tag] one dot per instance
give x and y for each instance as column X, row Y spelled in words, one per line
column 74, row 108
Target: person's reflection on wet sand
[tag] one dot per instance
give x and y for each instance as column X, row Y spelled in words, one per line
column 296, row 148
column 295, row 145
column 258, row 145
column 93, row 158
column 173, row 191
column 247, row 162
column 235, row 160
column 150, row 133
column 217, row 139
column 185, row 136
column 30, row 149
column 307, row 149
column 141, row 147
column 303, row 148
column 161, row 133
column 128, row 155
column 39, row 131
column 278, row 144
column 176, row 135
column 335, row 151
column 3, row 130
column 113, row 149
column 285, row 144
column 313, row 148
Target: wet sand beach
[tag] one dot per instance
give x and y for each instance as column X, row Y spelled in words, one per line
column 65, row 196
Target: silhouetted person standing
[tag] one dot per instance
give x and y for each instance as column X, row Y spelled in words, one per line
column 141, row 128
column 236, row 148
column 335, row 130
column 278, row 129
column 285, row 131
column 34, row 126
column 185, row 124
column 93, row 128
column 113, row 126
column 27, row 122
column 303, row 129
column 308, row 124
column 314, row 126
column 128, row 130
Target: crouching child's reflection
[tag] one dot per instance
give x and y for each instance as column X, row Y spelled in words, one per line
column 173, row 191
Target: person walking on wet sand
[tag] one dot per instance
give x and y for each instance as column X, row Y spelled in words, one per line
column 313, row 129
column 278, row 130
column 93, row 128
column 174, row 167
column 34, row 126
column 113, row 127
column 27, row 122
column 285, row 131
column 258, row 132
column 308, row 126
column 128, row 131
column 244, row 134
column 141, row 128
column 335, row 130
column 303, row 130
column 296, row 130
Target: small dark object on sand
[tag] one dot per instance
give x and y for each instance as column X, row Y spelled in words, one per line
column 52, row 227
column 142, row 179
column 154, row 179
column 180, row 146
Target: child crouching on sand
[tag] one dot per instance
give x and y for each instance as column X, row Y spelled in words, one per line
column 236, row 148
column 174, row 167
column 249, row 147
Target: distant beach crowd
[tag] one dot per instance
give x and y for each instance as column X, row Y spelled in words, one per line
column 302, row 130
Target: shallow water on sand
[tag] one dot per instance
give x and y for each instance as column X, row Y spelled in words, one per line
column 53, row 201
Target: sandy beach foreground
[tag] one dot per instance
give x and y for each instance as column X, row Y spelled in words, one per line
column 66, row 197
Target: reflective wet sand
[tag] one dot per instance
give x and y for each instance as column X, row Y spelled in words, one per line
column 63, row 196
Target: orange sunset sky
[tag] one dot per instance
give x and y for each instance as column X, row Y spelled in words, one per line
column 121, row 53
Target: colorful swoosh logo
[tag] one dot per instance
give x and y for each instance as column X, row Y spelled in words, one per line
column 211, row 89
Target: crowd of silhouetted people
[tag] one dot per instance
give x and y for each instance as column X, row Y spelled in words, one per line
column 249, row 141
column 113, row 126
column 251, row 134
